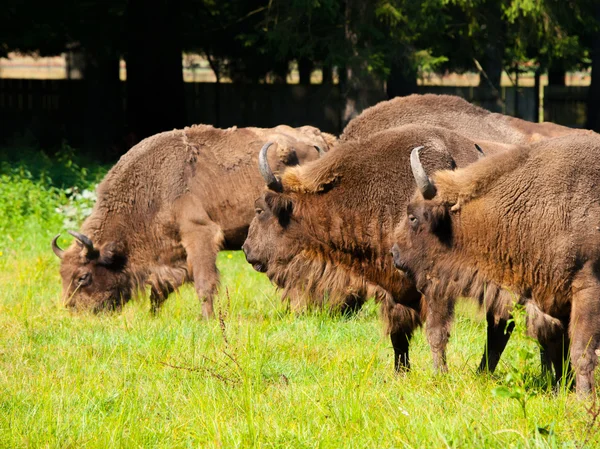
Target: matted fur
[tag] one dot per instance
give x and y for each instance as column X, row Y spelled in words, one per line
column 169, row 205
column 527, row 220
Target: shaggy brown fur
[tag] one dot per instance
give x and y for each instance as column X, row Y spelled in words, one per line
column 450, row 112
column 168, row 206
column 327, row 236
column 527, row 220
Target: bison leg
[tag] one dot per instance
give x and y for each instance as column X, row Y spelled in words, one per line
column 202, row 257
column 584, row 330
column 439, row 318
column 403, row 316
column 202, row 240
column 161, row 289
column 555, row 353
column 498, row 334
column 400, row 343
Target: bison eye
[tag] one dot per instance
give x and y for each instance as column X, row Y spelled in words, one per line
column 414, row 221
column 258, row 211
column 85, row 279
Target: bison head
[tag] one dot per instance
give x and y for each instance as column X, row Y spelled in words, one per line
column 93, row 277
column 269, row 239
column 425, row 234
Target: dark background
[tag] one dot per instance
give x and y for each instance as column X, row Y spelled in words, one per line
column 367, row 51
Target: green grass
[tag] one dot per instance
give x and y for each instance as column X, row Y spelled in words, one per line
column 260, row 376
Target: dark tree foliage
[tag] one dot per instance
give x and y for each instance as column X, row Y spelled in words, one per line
column 376, row 46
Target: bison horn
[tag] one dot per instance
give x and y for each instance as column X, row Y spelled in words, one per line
column 84, row 240
column 480, row 153
column 60, row 253
column 263, row 166
column 425, row 185
column 321, row 151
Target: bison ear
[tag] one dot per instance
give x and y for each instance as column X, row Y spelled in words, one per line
column 438, row 219
column 288, row 156
column 113, row 255
column 280, row 206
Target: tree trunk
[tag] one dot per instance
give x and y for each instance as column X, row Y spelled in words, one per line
column 280, row 72
column 556, row 76
column 359, row 88
column 103, row 106
column 155, row 94
column 492, row 60
column 593, row 101
column 402, row 80
column 517, row 93
column 538, row 95
column 327, row 71
column 305, row 69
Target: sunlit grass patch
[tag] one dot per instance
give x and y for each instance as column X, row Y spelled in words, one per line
column 257, row 375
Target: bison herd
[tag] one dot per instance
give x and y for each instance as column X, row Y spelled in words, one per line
column 421, row 200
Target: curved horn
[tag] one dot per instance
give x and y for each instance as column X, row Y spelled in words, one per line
column 425, row 185
column 60, row 253
column 321, row 151
column 84, row 240
column 263, row 166
column 480, row 153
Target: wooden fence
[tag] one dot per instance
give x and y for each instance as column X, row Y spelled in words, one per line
column 51, row 110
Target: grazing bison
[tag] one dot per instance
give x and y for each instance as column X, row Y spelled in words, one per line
column 324, row 231
column 450, row 112
column 168, row 206
column 527, row 220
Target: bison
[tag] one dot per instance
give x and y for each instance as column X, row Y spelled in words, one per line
column 167, row 207
column 527, row 220
column 324, row 231
column 450, row 112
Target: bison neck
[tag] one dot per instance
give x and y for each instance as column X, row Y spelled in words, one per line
column 351, row 249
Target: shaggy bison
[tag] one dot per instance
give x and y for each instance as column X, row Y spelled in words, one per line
column 168, row 206
column 450, row 112
column 323, row 231
column 527, row 220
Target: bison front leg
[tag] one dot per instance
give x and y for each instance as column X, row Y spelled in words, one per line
column 401, row 343
column 498, row 334
column 402, row 316
column 584, row 328
column 161, row 288
column 555, row 353
column 202, row 243
column 439, row 318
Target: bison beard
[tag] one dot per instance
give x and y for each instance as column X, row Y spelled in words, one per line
column 536, row 211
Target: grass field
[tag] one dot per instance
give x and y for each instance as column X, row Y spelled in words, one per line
column 257, row 377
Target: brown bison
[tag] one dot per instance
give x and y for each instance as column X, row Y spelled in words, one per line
column 527, row 220
column 168, row 206
column 324, row 231
column 450, row 112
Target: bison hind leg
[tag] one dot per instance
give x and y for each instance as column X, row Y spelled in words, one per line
column 498, row 334
column 352, row 305
column 584, row 329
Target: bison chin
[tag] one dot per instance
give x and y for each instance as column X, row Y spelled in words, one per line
column 258, row 266
column 111, row 302
column 399, row 262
